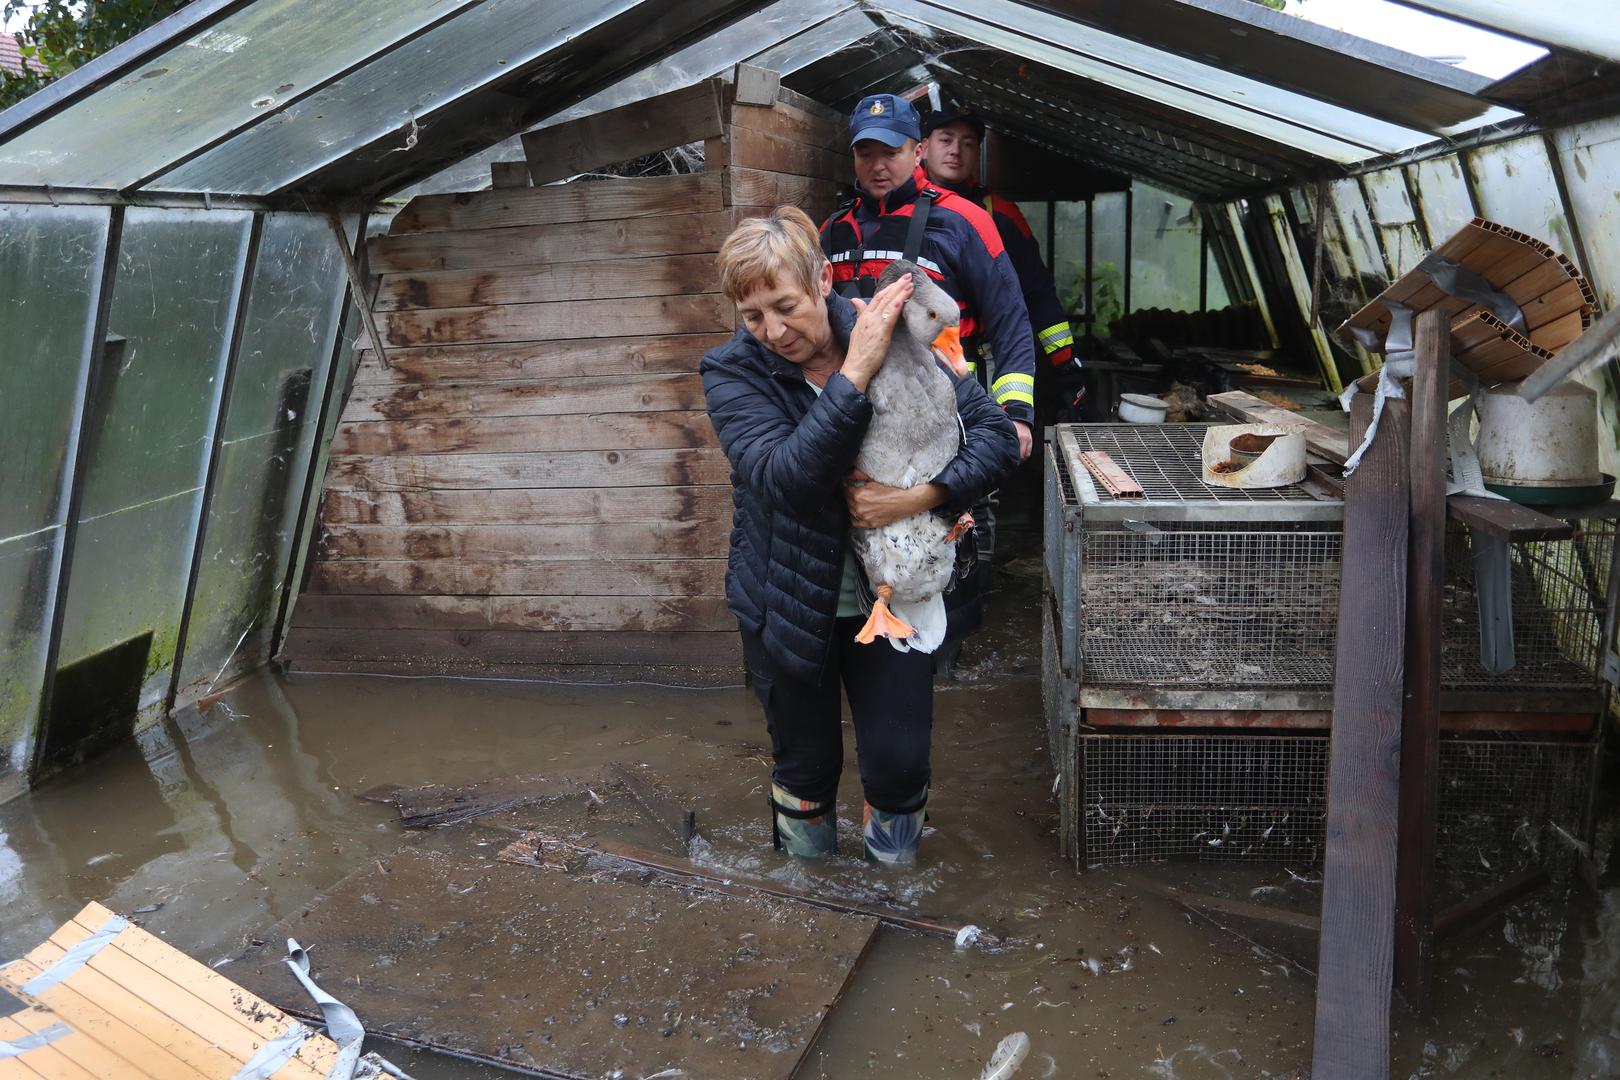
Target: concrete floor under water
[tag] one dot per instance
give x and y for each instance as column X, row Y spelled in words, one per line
column 217, row 826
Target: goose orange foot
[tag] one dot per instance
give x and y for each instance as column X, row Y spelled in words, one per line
column 883, row 622
column 963, row 524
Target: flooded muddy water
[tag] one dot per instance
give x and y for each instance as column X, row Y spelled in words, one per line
column 217, row 826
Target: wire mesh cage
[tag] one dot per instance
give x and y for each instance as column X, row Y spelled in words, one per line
column 1506, row 803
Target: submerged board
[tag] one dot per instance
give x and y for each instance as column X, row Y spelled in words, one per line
column 571, row 976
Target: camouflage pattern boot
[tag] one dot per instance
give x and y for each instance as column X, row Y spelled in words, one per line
column 891, row 838
column 805, row 829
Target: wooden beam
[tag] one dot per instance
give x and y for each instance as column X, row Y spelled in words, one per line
column 540, row 245
column 554, row 506
column 508, row 174
column 357, row 285
column 607, row 199
column 666, row 429
column 1507, row 520
column 659, row 276
column 1358, row 889
column 596, row 579
column 689, row 539
column 524, row 361
column 538, row 613
column 562, row 469
column 1420, row 715
column 594, row 396
column 702, row 313
column 472, row 649
column 683, row 116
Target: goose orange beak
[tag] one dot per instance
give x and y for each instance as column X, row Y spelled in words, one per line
column 949, row 345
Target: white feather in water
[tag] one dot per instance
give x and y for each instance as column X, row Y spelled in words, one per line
column 1008, row 1058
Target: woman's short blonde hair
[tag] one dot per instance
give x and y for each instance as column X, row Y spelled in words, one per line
column 762, row 252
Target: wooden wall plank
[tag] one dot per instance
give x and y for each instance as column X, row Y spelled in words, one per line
column 690, row 114
column 682, row 614
column 525, row 360
column 574, row 319
column 729, row 675
column 530, row 245
column 703, row 538
column 560, row 469
column 1358, row 881
column 786, row 122
column 761, row 187
column 607, row 199
column 555, row 506
column 605, row 394
column 508, row 174
column 759, row 150
column 668, row 430
column 475, row 648
column 465, row 577
column 665, row 276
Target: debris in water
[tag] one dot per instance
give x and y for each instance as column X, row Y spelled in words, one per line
column 967, row 936
column 1265, row 890
column 1007, row 1059
column 1155, row 949
column 146, row 909
column 1302, row 879
column 1517, row 1034
column 1093, row 965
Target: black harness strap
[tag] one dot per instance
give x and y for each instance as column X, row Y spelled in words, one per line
column 919, row 225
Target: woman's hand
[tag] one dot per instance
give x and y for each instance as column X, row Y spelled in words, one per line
column 873, row 505
column 869, row 342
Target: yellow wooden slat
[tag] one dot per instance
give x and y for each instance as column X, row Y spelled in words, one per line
column 46, row 1061
column 83, row 1049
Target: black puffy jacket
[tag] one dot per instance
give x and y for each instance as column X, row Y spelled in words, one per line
column 789, row 451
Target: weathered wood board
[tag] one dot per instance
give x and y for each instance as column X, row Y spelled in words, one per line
column 574, row 977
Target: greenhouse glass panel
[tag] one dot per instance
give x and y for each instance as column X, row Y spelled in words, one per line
column 1309, row 124
column 1299, row 284
column 1356, row 229
column 1108, row 260
column 1395, row 219
column 1235, row 217
column 205, row 86
column 1036, row 216
column 1585, row 26
column 1515, row 185
column 1217, row 297
column 1590, row 155
column 294, row 306
column 1166, row 250
column 50, row 275
column 174, row 301
column 442, row 65
column 1068, row 262
column 1442, row 196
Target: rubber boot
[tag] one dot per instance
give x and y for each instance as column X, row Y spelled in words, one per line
column 804, row 829
column 891, row 838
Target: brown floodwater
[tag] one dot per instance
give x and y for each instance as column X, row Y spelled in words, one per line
column 230, row 821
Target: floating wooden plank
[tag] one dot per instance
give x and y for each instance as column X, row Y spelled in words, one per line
column 1468, row 914
column 472, row 649
column 563, row 581
column 140, row 1009
column 530, row 850
column 574, row 977
column 432, row 806
column 683, row 116
column 666, row 276
column 699, row 314
column 677, row 820
column 539, row 360
column 607, row 199
column 699, row 538
column 1326, row 442
column 561, row 469
column 607, row 394
column 1358, row 891
column 508, row 174
column 1115, row 480
column 581, row 506
column 534, row 245
column 540, row 613
column 663, row 430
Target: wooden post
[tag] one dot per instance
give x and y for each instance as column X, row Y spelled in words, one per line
column 1358, row 880
column 1420, row 718
column 357, row 287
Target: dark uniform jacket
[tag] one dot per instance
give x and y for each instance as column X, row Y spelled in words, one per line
column 963, row 252
column 789, row 452
column 1054, row 337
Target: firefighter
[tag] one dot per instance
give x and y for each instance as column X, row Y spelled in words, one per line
column 897, row 213
column 952, row 141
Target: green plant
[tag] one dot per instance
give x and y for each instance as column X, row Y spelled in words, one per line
column 1107, row 293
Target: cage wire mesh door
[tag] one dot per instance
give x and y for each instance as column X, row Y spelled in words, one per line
column 1207, row 598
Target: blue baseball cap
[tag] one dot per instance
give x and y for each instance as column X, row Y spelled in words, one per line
column 889, row 119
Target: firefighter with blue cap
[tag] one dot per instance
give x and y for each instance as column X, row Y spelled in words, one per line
column 898, row 212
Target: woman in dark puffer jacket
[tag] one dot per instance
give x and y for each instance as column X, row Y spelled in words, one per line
column 787, row 398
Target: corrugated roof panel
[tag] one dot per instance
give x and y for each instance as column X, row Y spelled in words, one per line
column 205, row 85
column 1317, row 127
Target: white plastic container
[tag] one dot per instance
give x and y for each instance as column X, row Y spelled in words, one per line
column 1142, row 409
column 1547, row 443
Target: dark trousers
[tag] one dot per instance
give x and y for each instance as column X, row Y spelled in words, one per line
column 891, row 704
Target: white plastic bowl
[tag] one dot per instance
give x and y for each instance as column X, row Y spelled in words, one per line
column 1142, row 409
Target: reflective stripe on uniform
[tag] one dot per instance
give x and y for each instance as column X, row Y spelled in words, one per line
column 872, row 255
column 1014, row 386
column 1056, row 336
column 973, row 366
